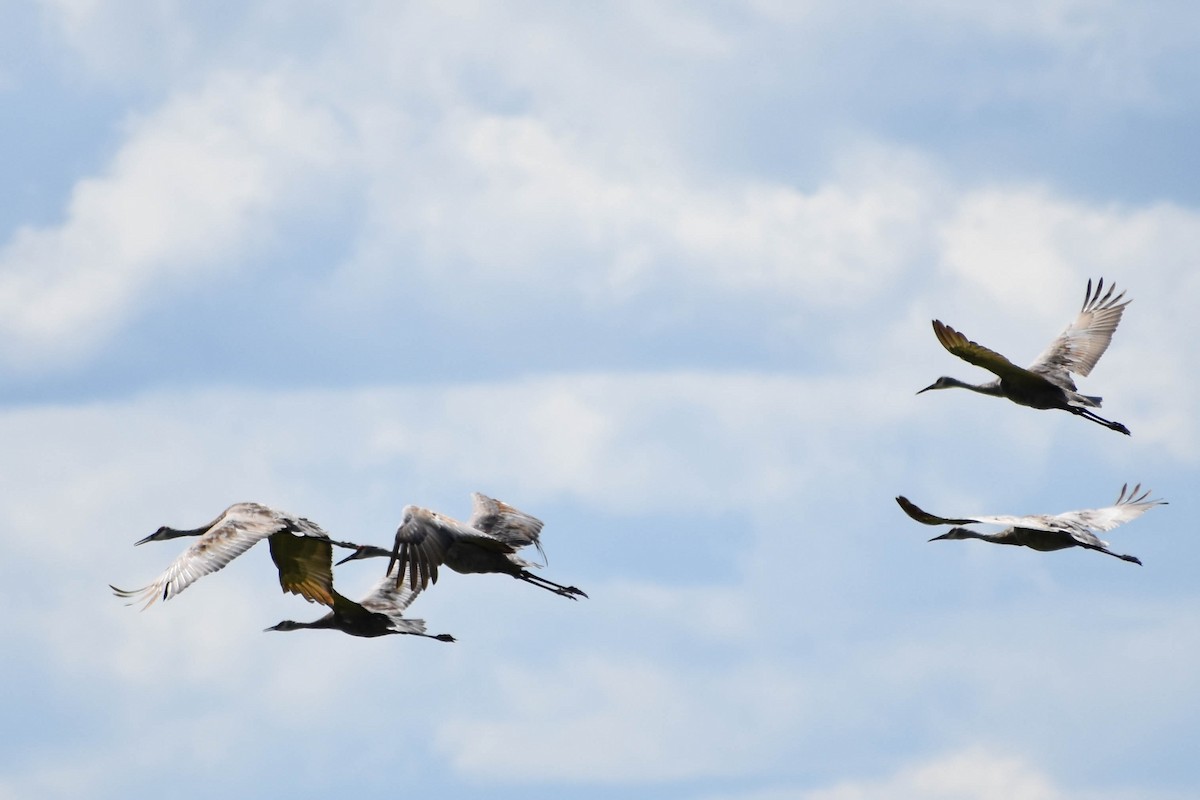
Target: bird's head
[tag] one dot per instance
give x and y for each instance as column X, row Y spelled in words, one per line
column 285, row 625
column 445, row 637
column 956, row 533
column 365, row 551
column 161, row 534
column 943, row 382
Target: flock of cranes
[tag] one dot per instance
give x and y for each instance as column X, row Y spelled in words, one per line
column 1047, row 383
column 303, row 556
column 489, row 541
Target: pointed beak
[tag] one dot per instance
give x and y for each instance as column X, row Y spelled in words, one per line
column 149, row 538
column 927, row 388
column 350, row 557
column 943, row 536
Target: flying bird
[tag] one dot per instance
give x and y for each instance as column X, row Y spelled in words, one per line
column 378, row 614
column 1046, row 383
column 1048, row 532
column 300, row 549
column 488, row 542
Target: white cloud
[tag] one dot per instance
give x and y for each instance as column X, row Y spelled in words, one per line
column 972, row 773
column 967, row 775
column 137, row 41
column 515, row 197
column 484, row 173
column 1008, row 239
column 200, row 181
column 1064, row 21
column 640, row 722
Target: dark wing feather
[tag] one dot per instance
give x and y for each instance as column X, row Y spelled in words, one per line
column 427, row 539
column 925, row 517
column 974, row 353
column 305, row 565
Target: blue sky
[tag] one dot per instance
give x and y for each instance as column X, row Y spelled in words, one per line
column 659, row 274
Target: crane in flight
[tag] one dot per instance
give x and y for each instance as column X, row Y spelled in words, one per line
column 1047, row 532
column 1046, row 383
column 488, row 542
column 378, row 614
column 300, row 549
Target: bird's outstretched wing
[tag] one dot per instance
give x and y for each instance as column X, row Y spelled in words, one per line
column 1080, row 524
column 922, row 516
column 1080, row 345
column 974, row 353
column 1038, row 522
column 239, row 528
column 1129, row 506
column 508, row 524
column 424, row 540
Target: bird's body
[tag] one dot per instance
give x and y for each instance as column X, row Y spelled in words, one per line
column 377, row 614
column 300, row 549
column 487, row 543
column 1047, row 382
column 1048, row 532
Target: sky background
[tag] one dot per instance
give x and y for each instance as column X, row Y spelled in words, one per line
column 660, row 274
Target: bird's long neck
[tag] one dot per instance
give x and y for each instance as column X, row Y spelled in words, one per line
column 164, row 533
column 362, row 551
column 326, row 621
column 346, row 545
column 371, row 551
column 174, row 533
column 1003, row 537
column 992, row 388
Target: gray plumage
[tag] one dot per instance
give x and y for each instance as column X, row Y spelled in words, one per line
column 299, row 548
column 427, row 540
column 1048, row 532
column 1047, row 382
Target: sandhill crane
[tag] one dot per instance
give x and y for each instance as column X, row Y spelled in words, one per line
column 300, row 549
column 487, row 543
column 377, row 614
column 1046, row 383
column 1047, row 532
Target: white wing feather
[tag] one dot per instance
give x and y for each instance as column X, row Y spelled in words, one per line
column 239, row 528
column 1080, row 345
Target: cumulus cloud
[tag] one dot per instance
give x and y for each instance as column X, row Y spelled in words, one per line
column 197, row 184
column 120, row 43
column 517, row 195
column 640, row 722
column 966, row 775
column 1007, row 239
column 484, row 174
